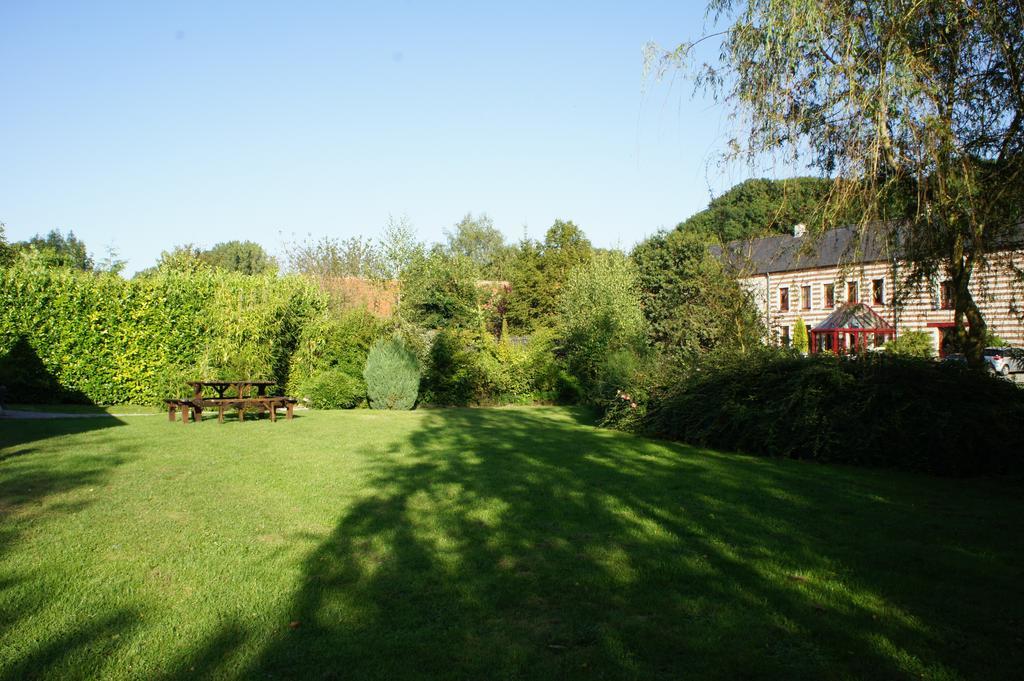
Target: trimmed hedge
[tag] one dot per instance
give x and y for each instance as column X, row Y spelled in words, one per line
column 102, row 339
column 873, row 410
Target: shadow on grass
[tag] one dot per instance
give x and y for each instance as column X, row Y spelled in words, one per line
column 525, row 544
column 33, row 477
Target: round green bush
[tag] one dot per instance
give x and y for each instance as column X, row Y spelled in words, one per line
column 333, row 389
column 392, row 375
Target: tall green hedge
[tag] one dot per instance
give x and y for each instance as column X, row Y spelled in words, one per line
column 106, row 340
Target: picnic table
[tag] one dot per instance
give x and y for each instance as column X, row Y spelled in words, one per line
column 236, row 395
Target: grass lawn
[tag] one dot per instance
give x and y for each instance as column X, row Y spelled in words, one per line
column 486, row 544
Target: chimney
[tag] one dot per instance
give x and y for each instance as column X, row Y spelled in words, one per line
column 799, row 229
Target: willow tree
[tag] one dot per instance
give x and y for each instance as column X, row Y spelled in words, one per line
column 914, row 107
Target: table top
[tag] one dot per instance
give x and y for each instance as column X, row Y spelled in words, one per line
column 215, row 383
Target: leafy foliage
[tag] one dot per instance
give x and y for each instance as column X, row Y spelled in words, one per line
column 757, row 207
column 915, row 108
column 55, row 250
column 479, row 240
column 538, row 272
column 918, row 344
column 691, row 303
column 331, row 257
column 245, row 257
column 333, row 388
column 114, row 341
column 333, row 341
column 454, row 374
column 600, row 314
column 874, row 410
column 6, row 252
column 392, row 375
column 801, row 343
column 440, row 290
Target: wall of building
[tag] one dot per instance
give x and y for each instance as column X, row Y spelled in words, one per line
column 996, row 288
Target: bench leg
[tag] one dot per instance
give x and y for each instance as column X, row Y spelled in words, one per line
column 241, row 413
column 172, row 413
column 289, row 408
column 184, row 414
column 273, row 412
column 220, row 413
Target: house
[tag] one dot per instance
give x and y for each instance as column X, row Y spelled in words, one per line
column 854, row 292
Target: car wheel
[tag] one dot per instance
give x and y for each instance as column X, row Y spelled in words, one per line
column 1005, row 371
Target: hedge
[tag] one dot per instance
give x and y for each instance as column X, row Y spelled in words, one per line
column 102, row 339
column 875, row 410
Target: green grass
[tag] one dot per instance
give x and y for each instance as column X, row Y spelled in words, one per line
column 486, row 544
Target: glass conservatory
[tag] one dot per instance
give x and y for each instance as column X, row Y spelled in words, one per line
column 853, row 327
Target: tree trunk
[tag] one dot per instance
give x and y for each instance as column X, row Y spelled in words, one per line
column 971, row 329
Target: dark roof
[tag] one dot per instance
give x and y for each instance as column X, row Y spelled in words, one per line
column 841, row 246
column 786, row 253
column 853, row 316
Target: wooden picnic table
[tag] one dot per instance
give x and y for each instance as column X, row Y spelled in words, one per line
column 241, row 400
column 242, row 389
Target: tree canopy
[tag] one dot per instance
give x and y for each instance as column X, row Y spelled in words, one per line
column 56, row 250
column 916, row 108
column 246, row 257
column 757, row 207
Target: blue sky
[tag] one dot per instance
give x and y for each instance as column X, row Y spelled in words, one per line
column 141, row 127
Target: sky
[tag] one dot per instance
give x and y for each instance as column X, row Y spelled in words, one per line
column 143, row 126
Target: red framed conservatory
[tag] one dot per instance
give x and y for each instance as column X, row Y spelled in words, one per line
column 853, row 327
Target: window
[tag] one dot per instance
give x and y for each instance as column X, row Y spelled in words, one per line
column 785, row 336
column 830, row 295
column 805, row 297
column 946, row 295
column 851, row 292
column 784, row 299
column 878, row 291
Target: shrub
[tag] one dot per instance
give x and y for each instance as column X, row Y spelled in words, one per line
column 801, row 343
column 912, row 344
column 454, row 376
column 333, row 389
column 392, row 375
column 333, row 340
column 874, row 410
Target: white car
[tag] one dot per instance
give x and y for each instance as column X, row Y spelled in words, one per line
column 1004, row 361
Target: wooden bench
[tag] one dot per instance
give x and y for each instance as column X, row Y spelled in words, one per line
column 186, row 407
column 241, row 404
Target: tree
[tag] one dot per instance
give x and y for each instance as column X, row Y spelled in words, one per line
column 599, row 315
column 692, row 304
column 916, row 108
column 758, row 207
column 439, row 289
column 801, row 343
column 330, row 257
column 477, row 239
column 6, row 252
column 537, row 272
column 56, row 250
column 398, row 246
column 246, row 257
column 526, row 302
column 187, row 259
